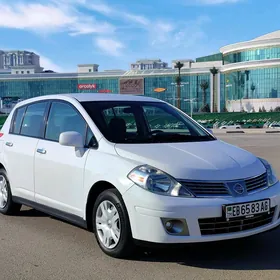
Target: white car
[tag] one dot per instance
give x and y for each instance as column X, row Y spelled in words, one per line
column 274, row 125
column 233, row 126
column 73, row 157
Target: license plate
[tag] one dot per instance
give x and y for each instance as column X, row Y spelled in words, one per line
column 247, row 209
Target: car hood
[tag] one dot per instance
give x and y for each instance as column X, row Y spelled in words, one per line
column 211, row 160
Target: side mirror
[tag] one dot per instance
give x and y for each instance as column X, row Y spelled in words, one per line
column 72, row 139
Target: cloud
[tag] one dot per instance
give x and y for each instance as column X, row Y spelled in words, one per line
column 100, row 8
column 48, row 64
column 55, row 16
column 136, row 18
column 110, row 46
column 211, row 2
column 182, row 34
column 108, row 10
column 161, row 32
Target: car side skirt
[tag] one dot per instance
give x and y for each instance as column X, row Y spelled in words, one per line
column 73, row 219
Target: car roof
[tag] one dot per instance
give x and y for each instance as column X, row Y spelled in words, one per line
column 84, row 97
column 81, row 97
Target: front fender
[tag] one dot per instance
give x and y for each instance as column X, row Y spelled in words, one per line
column 108, row 167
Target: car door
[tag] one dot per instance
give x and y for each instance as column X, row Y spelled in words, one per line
column 59, row 172
column 19, row 147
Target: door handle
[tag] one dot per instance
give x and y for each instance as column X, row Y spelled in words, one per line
column 9, row 144
column 41, row 151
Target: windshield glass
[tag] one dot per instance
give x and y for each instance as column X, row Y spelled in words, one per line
column 143, row 122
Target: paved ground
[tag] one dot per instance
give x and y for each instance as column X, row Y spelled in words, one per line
column 34, row 246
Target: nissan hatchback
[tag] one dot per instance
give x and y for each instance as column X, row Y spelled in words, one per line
column 132, row 169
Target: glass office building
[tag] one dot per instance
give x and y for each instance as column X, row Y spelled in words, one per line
column 159, row 86
column 250, row 75
column 242, row 76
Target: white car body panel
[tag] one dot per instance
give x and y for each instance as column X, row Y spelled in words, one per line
column 19, row 160
column 59, row 176
column 214, row 160
column 146, row 209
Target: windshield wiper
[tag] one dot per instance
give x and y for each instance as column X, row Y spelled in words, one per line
column 176, row 137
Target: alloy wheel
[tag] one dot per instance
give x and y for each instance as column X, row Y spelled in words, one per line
column 3, row 192
column 108, row 224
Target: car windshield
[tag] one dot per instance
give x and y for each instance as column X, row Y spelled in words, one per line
column 144, row 122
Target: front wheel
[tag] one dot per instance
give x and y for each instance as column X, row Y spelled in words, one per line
column 111, row 225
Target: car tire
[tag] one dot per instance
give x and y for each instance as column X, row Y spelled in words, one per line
column 124, row 246
column 7, row 206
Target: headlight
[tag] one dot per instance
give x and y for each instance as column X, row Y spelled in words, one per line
column 271, row 175
column 157, row 181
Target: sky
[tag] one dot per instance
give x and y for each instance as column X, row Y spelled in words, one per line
column 115, row 33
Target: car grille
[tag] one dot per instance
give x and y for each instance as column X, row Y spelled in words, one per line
column 214, row 189
column 201, row 189
column 256, row 183
column 211, row 226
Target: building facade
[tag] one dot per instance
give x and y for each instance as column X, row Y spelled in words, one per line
column 250, row 76
column 9, row 59
column 243, row 76
column 146, row 64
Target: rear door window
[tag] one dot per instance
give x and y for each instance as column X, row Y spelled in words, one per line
column 33, row 122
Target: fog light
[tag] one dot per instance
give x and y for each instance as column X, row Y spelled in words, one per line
column 168, row 225
column 175, row 226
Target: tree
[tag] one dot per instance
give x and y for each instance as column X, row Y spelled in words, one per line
column 277, row 109
column 178, row 80
column 214, row 71
column 263, row 109
column 271, row 110
column 260, row 109
column 179, row 66
column 204, row 85
column 205, row 108
column 225, row 110
column 253, row 110
column 253, row 88
column 247, row 72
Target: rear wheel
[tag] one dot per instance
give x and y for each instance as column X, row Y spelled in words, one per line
column 7, row 206
column 111, row 225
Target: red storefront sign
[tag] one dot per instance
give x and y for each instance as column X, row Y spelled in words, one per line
column 86, row 86
column 104, row 91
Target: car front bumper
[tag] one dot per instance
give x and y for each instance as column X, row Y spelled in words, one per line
column 147, row 211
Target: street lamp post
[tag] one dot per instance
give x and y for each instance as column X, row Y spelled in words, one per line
column 191, row 102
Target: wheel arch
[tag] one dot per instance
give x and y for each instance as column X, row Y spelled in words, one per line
column 94, row 192
column 2, row 166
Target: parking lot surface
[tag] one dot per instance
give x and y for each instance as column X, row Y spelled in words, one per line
column 35, row 246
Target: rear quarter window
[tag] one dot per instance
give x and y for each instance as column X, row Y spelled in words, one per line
column 19, row 114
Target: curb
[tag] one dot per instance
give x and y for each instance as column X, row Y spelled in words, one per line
column 235, row 132
column 277, row 131
column 245, row 131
